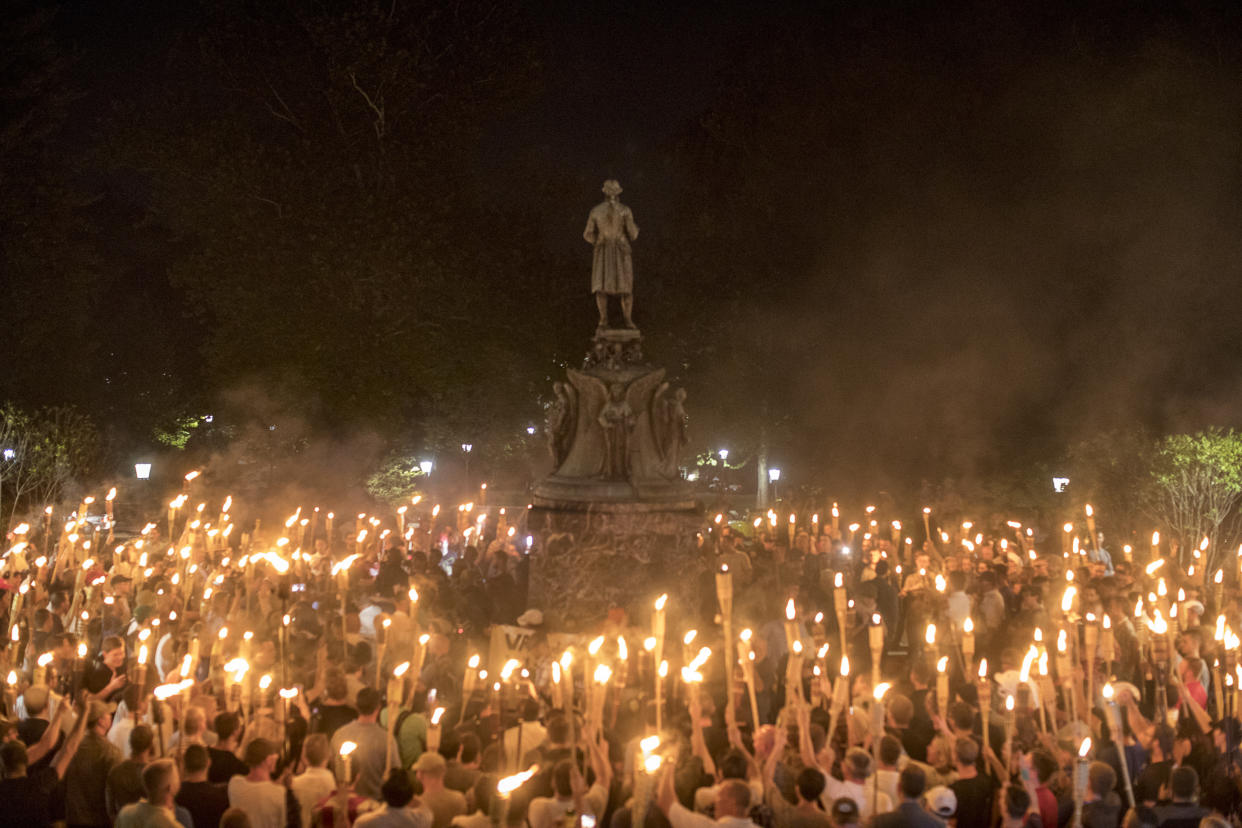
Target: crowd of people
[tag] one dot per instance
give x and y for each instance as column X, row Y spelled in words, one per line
column 985, row 676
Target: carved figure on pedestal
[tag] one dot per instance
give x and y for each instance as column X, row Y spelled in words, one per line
column 611, row 228
column 670, row 424
column 616, row 418
column 561, row 421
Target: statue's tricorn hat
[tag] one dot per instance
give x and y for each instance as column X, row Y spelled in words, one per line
column 611, row 187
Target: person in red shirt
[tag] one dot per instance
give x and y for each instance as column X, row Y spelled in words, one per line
column 1044, row 764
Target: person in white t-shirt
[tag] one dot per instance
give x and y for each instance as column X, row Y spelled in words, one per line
column 317, row 781
column 264, row 801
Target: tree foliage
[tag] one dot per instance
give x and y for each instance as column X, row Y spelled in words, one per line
column 1196, row 487
column 49, row 449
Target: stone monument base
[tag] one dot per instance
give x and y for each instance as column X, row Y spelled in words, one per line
column 588, row 561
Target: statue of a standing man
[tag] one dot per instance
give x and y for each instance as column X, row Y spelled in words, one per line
column 611, row 228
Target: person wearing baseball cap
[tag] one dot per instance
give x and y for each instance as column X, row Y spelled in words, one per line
column 845, row 813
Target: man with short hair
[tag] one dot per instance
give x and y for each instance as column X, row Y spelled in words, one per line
column 158, row 809
column 975, row 792
column 444, row 804
column 732, row 804
column 910, row 813
column 224, row 762
column 398, row 793
column 857, row 769
column 125, row 783
column 27, row 796
column 376, row 751
column 105, row 678
column 86, row 779
column 205, row 801
column 463, row 771
column 1184, row 809
column 268, row 804
column 1101, row 805
column 546, row 812
column 317, row 781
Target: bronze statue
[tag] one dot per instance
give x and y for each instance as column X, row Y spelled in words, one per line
column 611, row 228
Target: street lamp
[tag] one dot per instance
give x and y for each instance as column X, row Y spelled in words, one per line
column 467, row 448
column 530, row 430
column 724, row 455
column 142, row 471
column 774, row 475
column 9, row 454
column 425, row 466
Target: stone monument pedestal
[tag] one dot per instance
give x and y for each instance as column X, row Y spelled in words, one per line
column 616, row 431
column 614, row 523
column 588, row 561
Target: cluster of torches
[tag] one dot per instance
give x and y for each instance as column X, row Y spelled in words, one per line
column 1157, row 614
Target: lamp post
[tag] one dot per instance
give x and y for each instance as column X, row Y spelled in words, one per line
column 466, row 449
column 774, row 477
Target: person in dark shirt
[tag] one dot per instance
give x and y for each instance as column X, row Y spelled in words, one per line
column 224, row 762
column 124, row 784
column 206, row 801
column 975, row 792
column 1156, row 775
column 1102, row 806
column 27, row 797
column 332, row 709
column 1184, row 811
column 105, row 677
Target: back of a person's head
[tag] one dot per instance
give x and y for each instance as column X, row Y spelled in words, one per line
column 13, row 757
column 961, row 716
column 132, row 696
column 195, row 720
column 562, row 778
column 558, row 730
column 810, row 784
column 1044, row 763
column 334, row 683
column 732, row 765
column 890, row 749
column 157, row 777
column 257, row 751
column 967, row 750
column 858, row 763
column 733, row 797
column 901, row 709
column 316, row 749
column 195, row 759
column 1184, row 783
column 397, row 789
column 1101, row 778
column 470, row 747
column 226, row 725
column 1017, row 801
column 141, row 738
column 367, row 701
column 234, row 818
column 1214, row 821
column 912, row 782
column 36, row 698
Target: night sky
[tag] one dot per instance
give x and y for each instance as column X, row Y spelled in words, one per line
column 923, row 242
